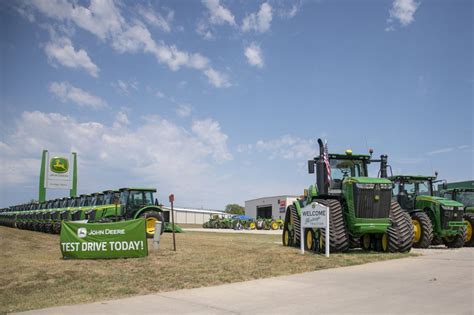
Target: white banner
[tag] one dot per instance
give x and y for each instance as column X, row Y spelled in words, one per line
column 59, row 170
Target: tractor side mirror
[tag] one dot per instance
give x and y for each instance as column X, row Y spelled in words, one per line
column 311, row 166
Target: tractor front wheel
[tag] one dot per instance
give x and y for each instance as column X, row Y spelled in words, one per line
column 456, row 241
column 400, row 233
column 151, row 217
column 423, row 230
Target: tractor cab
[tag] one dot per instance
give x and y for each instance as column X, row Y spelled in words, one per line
column 97, row 199
column 407, row 188
column 462, row 195
column 346, row 166
column 110, row 197
column 133, row 199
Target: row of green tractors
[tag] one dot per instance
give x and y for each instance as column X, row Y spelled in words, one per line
column 241, row 222
column 102, row 207
column 383, row 213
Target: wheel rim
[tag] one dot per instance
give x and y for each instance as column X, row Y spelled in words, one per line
column 286, row 237
column 150, row 225
column 309, row 239
column 385, row 242
column 252, row 226
column 274, row 226
column 366, row 241
column 468, row 231
column 417, row 229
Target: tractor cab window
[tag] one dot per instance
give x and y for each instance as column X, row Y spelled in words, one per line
column 123, row 197
column 342, row 168
column 136, row 198
column 424, row 188
column 466, row 198
column 148, row 198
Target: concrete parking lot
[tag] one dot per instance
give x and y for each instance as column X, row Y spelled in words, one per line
column 440, row 281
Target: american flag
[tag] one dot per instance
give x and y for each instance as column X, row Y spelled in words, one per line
column 326, row 161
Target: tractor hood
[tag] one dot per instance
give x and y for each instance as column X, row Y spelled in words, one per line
column 369, row 180
column 441, row 201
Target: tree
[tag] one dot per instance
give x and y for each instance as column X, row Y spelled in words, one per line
column 234, row 209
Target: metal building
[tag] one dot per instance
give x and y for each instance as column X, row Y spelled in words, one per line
column 190, row 215
column 269, row 207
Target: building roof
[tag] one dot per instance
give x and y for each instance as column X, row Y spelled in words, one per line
column 205, row 211
column 273, row 197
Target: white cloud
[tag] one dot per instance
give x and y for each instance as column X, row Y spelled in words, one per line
column 204, row 30
column 216, row 78
column 288, row 147
column 103, row 19
column 254, row 55
column 288, row 13
column 118, row 155
column 156, row 19
column 125, row 88
column 62, row 51
column 218, row 13
column 439, row 151
column 183, row 110
column 402, row 11
column 66, row 92
column 209, row 132
column 259, row 21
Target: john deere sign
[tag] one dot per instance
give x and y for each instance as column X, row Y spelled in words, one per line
column 58, row 171
column 104, row 240
column 59, row 165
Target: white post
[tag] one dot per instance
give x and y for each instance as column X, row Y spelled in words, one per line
column 156, row 236
column 327, row 232
column 301, row 235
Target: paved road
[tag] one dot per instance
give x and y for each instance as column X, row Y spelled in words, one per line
column 262, row 232
column 439, row 282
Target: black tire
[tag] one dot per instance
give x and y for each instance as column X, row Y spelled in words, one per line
column 400, row 233
column 426, row 229
column 295, row 219
column 437, row 240
column 354, row 242
column 469, row 218
column 338, row 235
column 456, row 241
column 152, row 215
column 286, row 239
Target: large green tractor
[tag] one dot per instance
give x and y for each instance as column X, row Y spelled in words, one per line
column 436, row 220
column 466, row 197
column 362, row 213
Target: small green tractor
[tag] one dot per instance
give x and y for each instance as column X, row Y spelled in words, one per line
column 362, row 213
column 466, row 197
column 436, row 220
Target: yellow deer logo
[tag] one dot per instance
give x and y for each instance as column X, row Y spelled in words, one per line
column 59, row 165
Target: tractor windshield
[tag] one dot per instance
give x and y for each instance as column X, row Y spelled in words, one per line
column 466, row 198
column 346, row 168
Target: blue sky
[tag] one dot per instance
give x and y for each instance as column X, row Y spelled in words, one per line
column 222, row 101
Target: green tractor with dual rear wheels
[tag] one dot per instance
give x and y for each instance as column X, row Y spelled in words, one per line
column 436, row 220
column 362, row 213
column 464, row 195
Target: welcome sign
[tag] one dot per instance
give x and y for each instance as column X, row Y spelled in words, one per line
column 125, row 239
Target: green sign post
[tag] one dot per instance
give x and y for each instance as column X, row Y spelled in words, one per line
column 124, row 239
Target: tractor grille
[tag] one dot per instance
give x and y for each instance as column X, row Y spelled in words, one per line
column 451, row 215
column 366, row 205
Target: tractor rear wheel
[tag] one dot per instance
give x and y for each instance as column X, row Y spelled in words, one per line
column 151, row 217
column 338, row 235
column 423, row 230
column 469, row 219
column 295, row 221
column 456, row 241
column 400, row 233
column 287, row 240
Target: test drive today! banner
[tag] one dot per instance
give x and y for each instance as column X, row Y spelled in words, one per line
column 104, row 240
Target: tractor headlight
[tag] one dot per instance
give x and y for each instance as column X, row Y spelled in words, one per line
column 447, row 208
column 365, row 186
column 385, row 186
